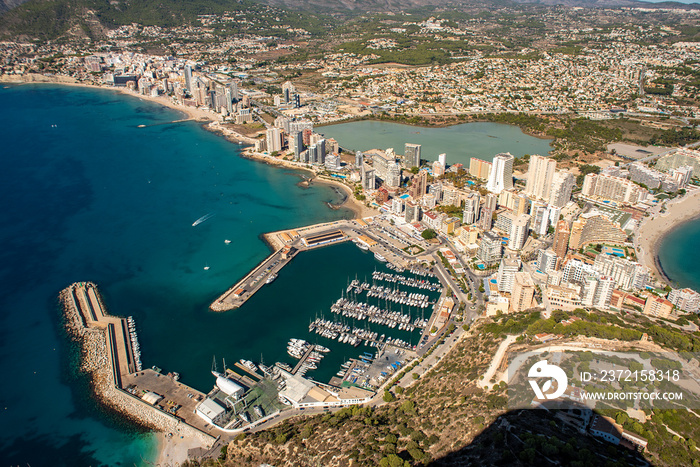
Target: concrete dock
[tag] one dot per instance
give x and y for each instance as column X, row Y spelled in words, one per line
column 146, row 396
column 287, row 244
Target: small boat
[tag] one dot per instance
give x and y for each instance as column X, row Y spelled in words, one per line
column 323, row 349
column 379, row 257
column 271, row 278
column 248, row 364
column 203, row 219
column 206, row 268
column 360, row 244
column 227, row 241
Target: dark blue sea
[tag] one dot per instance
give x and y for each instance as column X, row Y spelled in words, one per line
column 87, row 195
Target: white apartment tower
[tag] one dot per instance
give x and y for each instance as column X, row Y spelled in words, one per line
column 540, row 175
column 506, row 273
column 471, row 208
column 518, row 232
column 188, row 78
column 393, row 175
column 562, row 186
column 501, row 177
column 274, row 140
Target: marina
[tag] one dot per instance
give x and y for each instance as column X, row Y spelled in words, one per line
column 388, row 312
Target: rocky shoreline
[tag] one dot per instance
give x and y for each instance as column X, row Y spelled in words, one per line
column 96, row 363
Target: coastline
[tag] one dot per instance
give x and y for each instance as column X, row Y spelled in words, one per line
column 359, row 209
column 210, row 120
column 173, row 438
column 356, row 206
column 210, row 123
column 652, row 230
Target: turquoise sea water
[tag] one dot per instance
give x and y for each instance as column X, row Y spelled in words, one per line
column 680, row 257
column 482, row 140
column 87, row 195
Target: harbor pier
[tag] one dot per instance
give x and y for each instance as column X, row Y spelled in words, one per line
column 110, row 357
column 286, row 244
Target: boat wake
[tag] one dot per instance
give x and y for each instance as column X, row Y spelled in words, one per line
column 204, row 218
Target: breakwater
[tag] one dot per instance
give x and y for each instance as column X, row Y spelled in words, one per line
column 102, row 349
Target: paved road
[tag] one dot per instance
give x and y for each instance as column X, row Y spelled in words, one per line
column 496, row 361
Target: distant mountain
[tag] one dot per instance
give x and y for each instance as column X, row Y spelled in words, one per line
column 359, row 5
column 50, row 19
column 6, row 5
column 403, row 5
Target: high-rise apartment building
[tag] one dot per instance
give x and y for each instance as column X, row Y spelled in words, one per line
column 393, row 175
column 419, row 185
column 381, row 162
column 471, row 208
column 501, row 177
column 594, row 227
column 628, row 275
column 412, row 155
column 368, row 177
column 506, row 272
column 562, row 185
column 609, row 188
column 486, row 218
column 685, row 299
column 438, row 169
column 561, row 238
column 490, row 248
column 491, row 201
column 479, row 168
column 546, row 260
column 274, row 140
column 359, row 159
column 523, row 292
column 540, row 174
column 518, row 232
column 296, row 144
column 413, row 212
column 188, row 78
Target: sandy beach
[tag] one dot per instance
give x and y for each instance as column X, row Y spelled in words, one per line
column 361, row 210
column 654, row 228
column 173, row 449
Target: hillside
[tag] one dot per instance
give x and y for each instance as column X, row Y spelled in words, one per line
column 56, row 18
column 446, row 418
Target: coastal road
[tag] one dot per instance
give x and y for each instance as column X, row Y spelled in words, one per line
column 447, row 279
